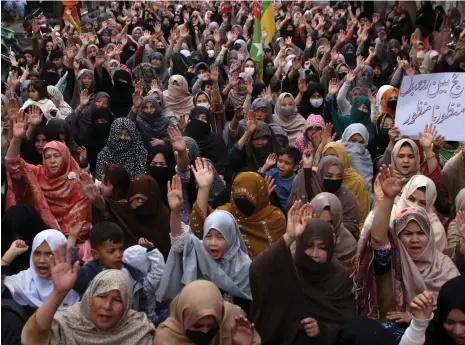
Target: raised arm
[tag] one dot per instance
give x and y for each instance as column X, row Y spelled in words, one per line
column 391, row 187
column 203, row 173
column 175, row 201
column 19, row 131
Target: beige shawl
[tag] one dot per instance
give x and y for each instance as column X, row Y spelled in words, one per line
column 196, row 300
column 177, row 98
column 454, row 174
column 395, row 152
column 293, row 125
column 453, row 233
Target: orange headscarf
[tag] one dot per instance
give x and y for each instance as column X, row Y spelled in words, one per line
column 384, row 107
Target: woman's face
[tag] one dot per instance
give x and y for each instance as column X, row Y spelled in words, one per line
column 388, row 123
column 125, row 134
column 107, row 309
column 102, row 102
column 316, row 95
column 49, row 47
column 137, row 201
column 314, row 134
column 215, row 244
column 317, row 251
column 202, row 99
column 260, row 113
column 148, row 108
column 326, row 216
column 287, row 102
column 356, row 139
column 92, row 52
column 363, row 107
column 204, row 324
column 159, row 161
column 106, row 188
column 418, row 198
column 330, row 152
column 136, row 35
column 86, row 81
column 241, row 85
column 33, row 94
column 405, row 160
column 249, row 64
column 259, row 142
column 202, row 117
column 455, row 326
column 106, row 38
column 40, row 142
column 414, row 239
column 41, row 259
column 53, row 160
column 333, row 173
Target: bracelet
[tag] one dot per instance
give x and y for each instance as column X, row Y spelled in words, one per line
column 9, row 263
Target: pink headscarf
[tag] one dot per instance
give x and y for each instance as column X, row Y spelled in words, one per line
column 302, row 143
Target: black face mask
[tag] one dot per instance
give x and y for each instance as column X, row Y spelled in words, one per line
column 162, row 51
column 332, row 186
column 384, row 136
column 161, row 174
column 201, row 338
column 342, row 74
column 392, row 104
column 245, row 206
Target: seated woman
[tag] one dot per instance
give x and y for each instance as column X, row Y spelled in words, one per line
column 32, row 148
column 260, row 223
column 53, row 188
column 221, row 255
column 311, row 293
column 312, row 136
column 125, row 148
column 445, row 325
column 399, row 262
column 161, row 166
column 104, row 316
column 28, row 290
column 211, row 145
column 328, row 178
column 420, row 192
column 379, row 143
column 200, row 316
column 352, row 180
column 177, row 97
column 288, row 118
column 360, row 113
column 326, row 206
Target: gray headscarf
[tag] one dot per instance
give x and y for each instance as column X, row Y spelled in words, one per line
column 269, row 120
column 153, row 125
column 230, row 273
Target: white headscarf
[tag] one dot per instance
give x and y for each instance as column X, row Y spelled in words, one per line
column 27, row 288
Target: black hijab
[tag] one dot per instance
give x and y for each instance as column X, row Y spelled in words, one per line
column 380, row 141
column 365, row 331
column 28, row 150
column 121, row 97
column 306, row 108
column 50, row 78
column 60, row 126
column 162, row 174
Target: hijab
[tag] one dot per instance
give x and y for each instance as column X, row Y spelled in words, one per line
column 292, row 123
column 303, row 142
column 421, row 181
column 145, row 73
column 49, row 78
column 230, row 273
column 57, row 98
column 58, row 198
column 27, row 288
column 432, row 268
column 236, row 97
column 122, row 93
column 198, row 299
column 395, row 152
column 84, row 121
column 378, row 144
column 358, row 116
column 306, row 108
column 129, row 153
column 256, row 157
column 28, row 150
column 385, row 109
column 346, row 245
column 75, row 326
column 162, row 174
column 454, row 173
column 60, row 126
column 153, row 125
column 178, row 99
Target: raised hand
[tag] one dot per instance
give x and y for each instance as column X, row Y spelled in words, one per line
column 390, row 184
column 440, row 141
column 217, row 36
column 203, row 173
column 351, row 77
column 183, row 122
column 422, row 306
column 378, row 191
column 428, row 136
column 360, row 62
column 34, row 116
column 270, row 183
column 64, row 275
column 251, row 123
column 84, row 98
column 241, row 55
column 145, row 243
column 233, row 80
column 327, row 136
column 176, row 139
column 334, row 55
column 409, row 69
column 242, row 331
column 88, row 186
column 154, row 84
column 13, row 60
column 460, row 219
column 249, row 85
column 371, row 97
column 297, row 219
column 394, row 133
column 271, row 160
column 303, row 87
column 17, row 248
column 333, row 87
column 12, row 109
column 19, row 125
column 174, row 195
column 307, row 158
column 308, row 42
column 267, row 94
column 214, row 73
column 136, row 98
column 100, row 58
column 76, row 227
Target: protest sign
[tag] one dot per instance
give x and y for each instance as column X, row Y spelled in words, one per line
column 432, row 98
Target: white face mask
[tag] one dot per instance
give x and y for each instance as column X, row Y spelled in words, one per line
column 211, row 53
column 316, row 103
column 205, row 105
column 249, row 70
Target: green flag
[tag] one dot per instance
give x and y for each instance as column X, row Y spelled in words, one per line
column 256, row 51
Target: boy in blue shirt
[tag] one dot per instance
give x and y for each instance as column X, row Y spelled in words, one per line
column 287, row 163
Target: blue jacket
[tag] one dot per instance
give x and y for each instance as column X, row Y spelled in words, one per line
column 88, row 271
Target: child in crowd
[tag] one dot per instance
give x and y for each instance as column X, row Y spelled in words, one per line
column 107, row 244
column 287, row 162
column 150, row 261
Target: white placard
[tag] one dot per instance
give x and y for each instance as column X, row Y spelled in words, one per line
column 432, row 98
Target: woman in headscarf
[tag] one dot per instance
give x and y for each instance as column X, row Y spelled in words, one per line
column 150, row 121
column 221, row 255
column 327, row 207
column 312, row 101
column 85, row 81
column 312, row 290
column 445, row 325
column 211, row 145
column 124, row 147
column 177, row 97
column 61, row 131
column 53, row 188
column 57, row 98
column 360, row 113
column 32, row 149
column 388, row 102
column 454, row 237
column 355, row 140
column 421, row 192
column 145, row 73
column 28, row 290
column 399, row 262
column 379, row 143
column 311, row 138
column 352, row 180
column 454, row 173
column 199, row 315
column 260, row 223
column 328, row 178
column 161, row 166
column 287, row 116
column 49, row 74
column 104, row 316
column 121, row 95
column 20, row 222
column 97, row 135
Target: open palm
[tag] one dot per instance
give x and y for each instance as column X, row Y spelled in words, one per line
column 203, row 173
column 64, row 275
column 390, row 184
column 174, row 195
column 297, row 219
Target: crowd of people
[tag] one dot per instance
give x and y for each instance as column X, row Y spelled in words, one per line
column 167, row 179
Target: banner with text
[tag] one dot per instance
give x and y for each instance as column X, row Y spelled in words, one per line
column 432, row 98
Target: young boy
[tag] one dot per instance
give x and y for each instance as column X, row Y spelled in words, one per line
column 107, row 245
column 287, row 165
